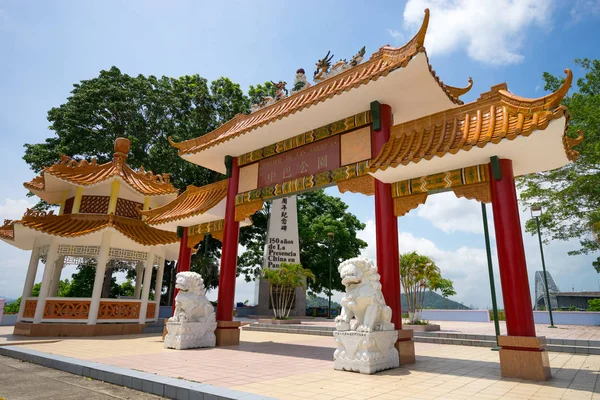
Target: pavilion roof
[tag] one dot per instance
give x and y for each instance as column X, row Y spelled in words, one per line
column 496, row 116
column 77, row 225
column 88, row 173
column 381, row 63
column 193, row 201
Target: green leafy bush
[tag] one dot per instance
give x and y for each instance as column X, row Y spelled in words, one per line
column 501, row 315
column 594, row 305
column 13, row 307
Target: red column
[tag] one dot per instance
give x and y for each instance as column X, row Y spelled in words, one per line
column 229, row 250
column 386, row 227
column 511, row 253
column 183, row 260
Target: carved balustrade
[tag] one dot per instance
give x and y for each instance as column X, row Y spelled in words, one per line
column 78, row 309
column 66, row 309
column 119, row 309
column 30, row 306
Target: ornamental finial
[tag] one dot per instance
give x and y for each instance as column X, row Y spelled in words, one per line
column 122, row 146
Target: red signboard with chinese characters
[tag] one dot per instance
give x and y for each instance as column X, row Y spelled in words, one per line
column 311, row 159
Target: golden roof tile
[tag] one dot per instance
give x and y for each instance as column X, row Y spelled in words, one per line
column 192, row 202
column 85, row 173
column 497, row 115
column 76, row 225
column 381, row 63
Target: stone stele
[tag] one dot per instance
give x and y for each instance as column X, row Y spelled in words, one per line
column 193, row 324
column 365, row 335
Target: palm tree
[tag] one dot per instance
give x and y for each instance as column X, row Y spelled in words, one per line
column 283, row 282
column 417, row 274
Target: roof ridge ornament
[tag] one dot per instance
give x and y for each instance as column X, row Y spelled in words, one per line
column 32, row 212
column 325, row 70
column 517, row 104
column 418, row 41
column 456, row 92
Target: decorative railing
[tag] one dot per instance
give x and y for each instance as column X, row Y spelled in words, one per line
column 119, row 310
column 110, row 310
column 29, row 311
column 150, row 310
column 66, row 309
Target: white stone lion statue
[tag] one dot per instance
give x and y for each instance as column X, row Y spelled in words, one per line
column 363, row 299
column 191, row 304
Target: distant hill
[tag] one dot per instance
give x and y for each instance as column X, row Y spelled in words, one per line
column 435, row 301
column 316, row 301
column 8, row 300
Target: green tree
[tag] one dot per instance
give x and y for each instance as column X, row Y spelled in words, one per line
column 318, row 214
column 146, row 110
column 446, row 288
column 594, row 305
column 259, row 92
column 282, row 286
column 418, row 274
column 570, row 196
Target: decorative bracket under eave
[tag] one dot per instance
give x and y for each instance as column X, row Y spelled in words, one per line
column 245, row 210
column 480, row 192
column 363, row 184
column 404, row 204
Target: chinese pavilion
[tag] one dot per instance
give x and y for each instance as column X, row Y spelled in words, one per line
column 388, row 127
column 99, row 218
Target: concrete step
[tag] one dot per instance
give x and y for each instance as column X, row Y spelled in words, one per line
column 463, row 339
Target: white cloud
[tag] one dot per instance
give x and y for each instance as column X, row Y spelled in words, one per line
column 452, row 214
column 396, row 35
column 583, row 8
column 14, row 209
column 491, row 31
column 466, row 266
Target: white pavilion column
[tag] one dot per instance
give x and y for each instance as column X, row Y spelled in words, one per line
column 146, row 286
column 158, row 287
column 58, row 267
column 139, row 272
column 101, row 262
column 46, row 281
column 29, row 280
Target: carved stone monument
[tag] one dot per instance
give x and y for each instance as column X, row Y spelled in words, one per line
column 365, row 335
column 193, row 324
column 281, row 245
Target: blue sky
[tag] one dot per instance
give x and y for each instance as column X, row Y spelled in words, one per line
column 48, row 46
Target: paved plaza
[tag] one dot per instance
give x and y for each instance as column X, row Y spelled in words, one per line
column 289, row 366
column 25, row 381
column 578, row 332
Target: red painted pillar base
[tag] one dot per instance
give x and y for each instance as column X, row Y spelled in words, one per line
column 227, row 330
column 522, row 355
column 386, row 235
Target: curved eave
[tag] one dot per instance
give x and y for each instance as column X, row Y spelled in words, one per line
column 67, row 175
column 54, row 186
column 498, row 124
column 85, row 229
column 400, row 77
column 194, row 206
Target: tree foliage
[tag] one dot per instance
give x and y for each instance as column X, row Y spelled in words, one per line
column 283, row 282
column 418, row 275
column 146, row 110
column 570, row 196
column 259, row 92
column 318, row 214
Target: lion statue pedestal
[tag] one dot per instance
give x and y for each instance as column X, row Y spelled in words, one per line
column 193, row 324
column 365, row 335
